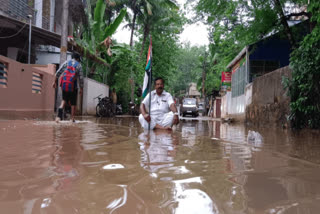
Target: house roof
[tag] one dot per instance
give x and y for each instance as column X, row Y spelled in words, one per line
column 242, row 52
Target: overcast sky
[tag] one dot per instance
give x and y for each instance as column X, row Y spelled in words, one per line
column 196, row 34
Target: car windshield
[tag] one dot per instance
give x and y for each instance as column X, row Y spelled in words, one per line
column 189, row 101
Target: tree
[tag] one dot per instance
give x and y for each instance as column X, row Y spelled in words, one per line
column 304, row 87
column 95, row 33
column 158, row 13
column 188, row 68
column 164, row 32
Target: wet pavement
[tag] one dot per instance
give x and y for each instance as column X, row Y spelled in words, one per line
column 113, row 166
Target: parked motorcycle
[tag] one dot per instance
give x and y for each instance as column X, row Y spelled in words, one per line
column 133, row 109
column 118, row 109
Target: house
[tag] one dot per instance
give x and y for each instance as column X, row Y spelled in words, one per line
column 253, row 61
column 193, row 92
column 45, row 17
column 20, row 82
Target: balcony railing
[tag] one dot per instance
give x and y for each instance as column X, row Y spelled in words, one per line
column 19, row 9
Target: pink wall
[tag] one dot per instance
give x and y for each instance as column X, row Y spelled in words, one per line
column 18, row 99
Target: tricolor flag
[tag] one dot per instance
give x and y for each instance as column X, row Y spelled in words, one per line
column 147, row 80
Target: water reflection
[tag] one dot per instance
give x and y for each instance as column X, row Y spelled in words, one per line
column 158, row 149
column 192, row 200
column 67, row 157
column 112, row 166
column 160, row 156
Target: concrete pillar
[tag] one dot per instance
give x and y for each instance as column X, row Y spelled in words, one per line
column 52, row 9
column 38, row 5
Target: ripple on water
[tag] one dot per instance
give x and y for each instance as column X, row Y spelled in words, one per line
column 113, row 166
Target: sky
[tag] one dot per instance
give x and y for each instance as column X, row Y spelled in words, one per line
column 196, row 34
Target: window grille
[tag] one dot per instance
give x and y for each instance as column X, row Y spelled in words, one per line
column 3, row 75
column 238, row 81
column 261, row 67
column 36, row 83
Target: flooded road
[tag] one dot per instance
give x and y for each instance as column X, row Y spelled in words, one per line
column 113, row 166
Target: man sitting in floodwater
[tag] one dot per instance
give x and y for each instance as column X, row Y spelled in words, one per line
column 160, row 116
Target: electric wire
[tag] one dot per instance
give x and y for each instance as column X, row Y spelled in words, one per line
column 7, row 37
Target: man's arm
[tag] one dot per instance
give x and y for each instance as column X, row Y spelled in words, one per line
column 144, row 113
column 173, row 108
column 58, row 73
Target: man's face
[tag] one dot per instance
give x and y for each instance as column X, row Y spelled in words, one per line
column 159, row 86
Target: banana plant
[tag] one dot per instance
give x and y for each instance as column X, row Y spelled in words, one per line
column 97, row 29
column 96, row 34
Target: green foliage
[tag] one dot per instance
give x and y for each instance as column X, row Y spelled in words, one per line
column 304, row 87
column 111, row 29
column 165, row 24
column 124, row 67
column 188, row 68
column 94, row 33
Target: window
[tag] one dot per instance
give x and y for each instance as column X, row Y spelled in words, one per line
column 190, row 101
column 3, row 75
column 238, row 81
column 36, row 83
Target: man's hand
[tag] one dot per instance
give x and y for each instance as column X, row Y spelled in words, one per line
column 147, row 117
column 175, row 120
column 54, row 84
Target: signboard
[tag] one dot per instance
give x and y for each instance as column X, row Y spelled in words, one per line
column 226, row 81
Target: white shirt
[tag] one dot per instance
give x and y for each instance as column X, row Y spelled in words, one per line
column 159, row 104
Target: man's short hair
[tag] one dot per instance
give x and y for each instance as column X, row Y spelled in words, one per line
column 76, row 55
column 158, row 78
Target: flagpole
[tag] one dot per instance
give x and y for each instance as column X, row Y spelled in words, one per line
column 150, row 82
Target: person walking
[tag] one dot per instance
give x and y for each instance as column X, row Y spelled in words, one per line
column 114, row 100
column 163, row 113
column 71, row 71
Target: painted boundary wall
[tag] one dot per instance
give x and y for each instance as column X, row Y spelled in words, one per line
column 91, row 90
column 27, row 90
column 217, row 108
column 270, row 104
column 235, row 107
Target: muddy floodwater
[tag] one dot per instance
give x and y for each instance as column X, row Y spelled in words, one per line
column 99, row 166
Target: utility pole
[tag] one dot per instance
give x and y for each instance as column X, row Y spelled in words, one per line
column 204, row 75
column 64, row 43
column 29, row 49
column 204, row 67
column 64, row 32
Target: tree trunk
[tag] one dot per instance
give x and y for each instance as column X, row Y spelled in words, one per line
column 133, row 21
column 203, row 83
column 145, row 35
column 132, row 90
column 204, row 77
column 285, row 23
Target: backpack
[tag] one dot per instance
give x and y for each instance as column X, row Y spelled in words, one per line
column 67, row 81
